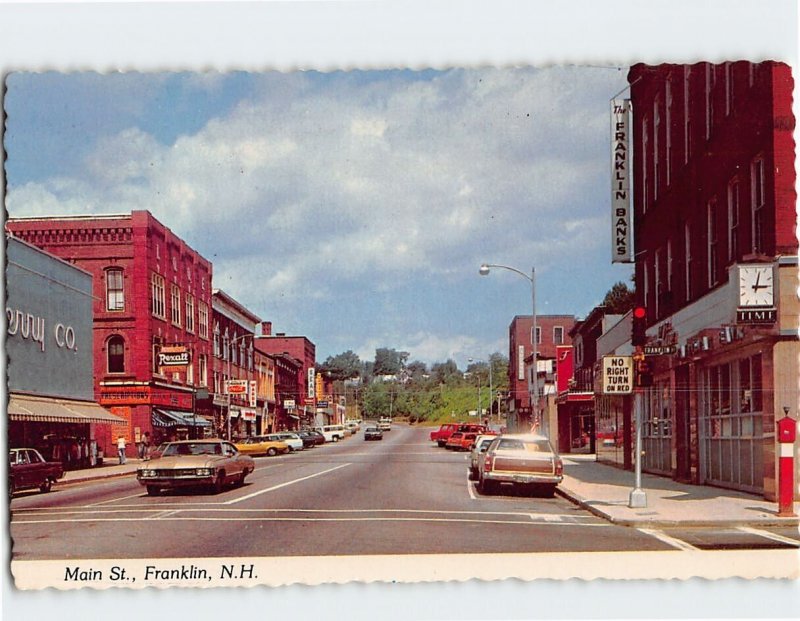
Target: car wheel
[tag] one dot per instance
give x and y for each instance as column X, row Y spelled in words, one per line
column 335, row 438
column 240, row 480
column 548, row 491
column 440, row 444
column 219, row 483
column 272, row 452
column 46, row 486
column 473, row 475
column 152, row 490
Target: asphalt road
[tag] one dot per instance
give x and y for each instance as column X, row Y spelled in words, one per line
column 402, row 495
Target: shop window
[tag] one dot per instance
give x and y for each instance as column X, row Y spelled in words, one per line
column 115, row 350
column 115, row 294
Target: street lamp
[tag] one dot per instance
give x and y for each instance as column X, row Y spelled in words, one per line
column 484, row 271
column 491, row 387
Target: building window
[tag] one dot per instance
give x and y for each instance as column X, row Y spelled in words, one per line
column 538, row 340
column 158, row 293
column 709, row 93
column 645, row 179
column 728, row 89
column 687, row 123
column 225, row 348
column 115, row 293
column 558, row 335
column 645, row 283
column 250, row 357
column 713, row 246
column 668, row 141
column 202, row 319
column 758, row 201
column 657, row 281
column 202, row 370
column 190, row 374
column 733, row 221
column 687, row 250
column 656, row 145
column 175, row 304
column 189, row 312
column 217, row 351
column 669, row 266
column 115, row 350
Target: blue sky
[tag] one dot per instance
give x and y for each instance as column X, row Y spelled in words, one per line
column 351, row 207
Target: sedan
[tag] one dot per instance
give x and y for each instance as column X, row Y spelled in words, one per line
column 211, row 463
column 524, row 460
column 480, row 447
column 309, row 441
column 260, row 445
column 292, row 440
column 373, row 433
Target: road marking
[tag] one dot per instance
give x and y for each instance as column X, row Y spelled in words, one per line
column 286, row 484
column 162, row 514
column 470, row 490
column 104, row 502
column 674, row 542
column 768, row 535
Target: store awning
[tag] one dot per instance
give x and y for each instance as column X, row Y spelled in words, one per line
column 51, row 410
column 172, row 418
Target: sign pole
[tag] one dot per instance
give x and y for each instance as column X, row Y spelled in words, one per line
column 638, row 497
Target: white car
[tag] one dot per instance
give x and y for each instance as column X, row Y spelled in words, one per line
column 332, row 433
column 294, row 441
column 385, row 424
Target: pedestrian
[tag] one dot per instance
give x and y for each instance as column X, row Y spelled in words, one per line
column 121, row 449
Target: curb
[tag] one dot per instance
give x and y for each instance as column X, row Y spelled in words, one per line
column 662, row 523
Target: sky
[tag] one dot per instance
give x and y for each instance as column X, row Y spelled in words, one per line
column 351, row 207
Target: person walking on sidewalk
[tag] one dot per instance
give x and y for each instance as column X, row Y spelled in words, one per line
column 121, row 449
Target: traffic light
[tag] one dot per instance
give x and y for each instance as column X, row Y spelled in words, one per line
column 644, row 374
column 639, row 326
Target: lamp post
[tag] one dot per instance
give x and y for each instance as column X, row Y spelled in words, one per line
column 484, row 271
column 491, row 386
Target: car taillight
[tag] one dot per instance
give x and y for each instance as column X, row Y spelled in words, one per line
column 488, row 462
column 559, row 466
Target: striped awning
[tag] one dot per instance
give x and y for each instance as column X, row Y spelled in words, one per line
column 172, row 418
column 51, row 410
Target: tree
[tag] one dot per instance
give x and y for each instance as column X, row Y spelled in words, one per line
column 346, row 365
column 619, row 299
column 389, row 361
column 444, row 372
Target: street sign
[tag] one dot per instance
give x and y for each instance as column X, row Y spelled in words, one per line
column 617, row 375
column 236, row 387
column 322, row 404
column 253, row 394
column 660, row 350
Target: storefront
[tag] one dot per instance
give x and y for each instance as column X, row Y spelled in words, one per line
column 49, row 348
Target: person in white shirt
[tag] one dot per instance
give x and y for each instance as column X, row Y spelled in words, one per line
column 121, row 449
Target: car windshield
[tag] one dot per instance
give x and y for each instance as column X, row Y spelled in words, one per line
column 372, row 429
column 199, row 448
column 536, row 446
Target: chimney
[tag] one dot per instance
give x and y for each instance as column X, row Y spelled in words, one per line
column 266, row 328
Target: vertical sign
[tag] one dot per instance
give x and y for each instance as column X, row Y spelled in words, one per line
column 620, row 182
column 312, row 384
column 521, row 362
column 253, row 394
column 565, row 368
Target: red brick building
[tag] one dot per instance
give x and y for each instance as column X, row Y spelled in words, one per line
column 551, row 331
column 716, row 268
column 289, row 380
column 302, row 349
column 236, row 415
column 151, row 316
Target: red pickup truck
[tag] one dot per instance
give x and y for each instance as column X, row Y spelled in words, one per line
column 28, row 469
column 442, row 435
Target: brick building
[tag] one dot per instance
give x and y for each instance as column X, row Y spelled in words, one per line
column 289, row 380
column 551, row 331
column 716, row 267
column 151, row 314
column 238, row 414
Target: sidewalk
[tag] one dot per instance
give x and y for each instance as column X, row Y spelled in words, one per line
column 604, row 490
column 110, row 468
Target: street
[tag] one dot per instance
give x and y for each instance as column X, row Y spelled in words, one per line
column 401, row 495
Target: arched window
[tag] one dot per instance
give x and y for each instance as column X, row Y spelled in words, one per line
column 116, row 354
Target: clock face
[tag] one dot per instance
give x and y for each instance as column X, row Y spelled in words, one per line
column 756, row 285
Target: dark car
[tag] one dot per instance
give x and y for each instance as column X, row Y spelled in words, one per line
column 309, row 441
column 373, row 433
column 28, row 469
column 318, row 437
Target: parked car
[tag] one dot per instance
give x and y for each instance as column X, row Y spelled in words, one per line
column 309, row 440
column 29, row 470
column 261, row 445
column 526, row 460
column 454, row 441
column 467, row 440
column 212, row 463
column 441, row 435
column 318, row 437
column 373, row 433
column 479, row 447
column 331, row 433
column 289, row 438
column 385, row 424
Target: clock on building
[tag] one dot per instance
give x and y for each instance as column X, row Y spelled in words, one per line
column 756, row 286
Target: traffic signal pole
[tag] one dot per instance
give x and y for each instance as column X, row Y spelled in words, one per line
column 642, row 377
column 638, row 497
